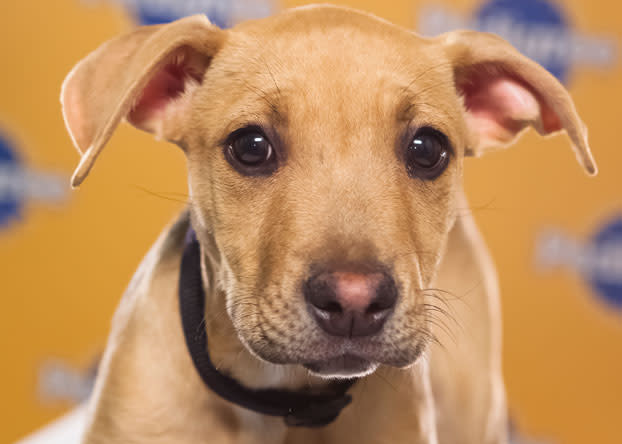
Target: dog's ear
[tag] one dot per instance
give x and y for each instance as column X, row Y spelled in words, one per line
column 146, row 77
column 505, row 92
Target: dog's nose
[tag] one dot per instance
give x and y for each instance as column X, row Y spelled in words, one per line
column 351, row 304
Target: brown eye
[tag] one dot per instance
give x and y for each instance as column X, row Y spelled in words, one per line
column 427, row 156
column 251, row 148
column 250, row 152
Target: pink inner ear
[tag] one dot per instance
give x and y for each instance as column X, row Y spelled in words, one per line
column 167, row 84
column 500, row 106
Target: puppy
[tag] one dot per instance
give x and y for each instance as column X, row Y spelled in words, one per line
column 325, row 150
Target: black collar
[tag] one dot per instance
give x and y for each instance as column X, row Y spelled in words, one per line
column 296, row 408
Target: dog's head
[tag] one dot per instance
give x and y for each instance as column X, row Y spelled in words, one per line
column 325, row 151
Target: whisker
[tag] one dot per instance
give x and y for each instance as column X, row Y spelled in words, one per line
column 163, row 195
column 488, row 206
column 386, row 381
column 440, row 325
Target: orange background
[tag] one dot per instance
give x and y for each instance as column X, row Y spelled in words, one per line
column 65, row 266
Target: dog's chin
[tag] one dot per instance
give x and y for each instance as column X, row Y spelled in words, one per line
column 338, row 362
column 346, row 366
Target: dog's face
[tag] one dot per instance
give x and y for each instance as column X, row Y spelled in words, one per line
column 311, row 166
column 325, row 153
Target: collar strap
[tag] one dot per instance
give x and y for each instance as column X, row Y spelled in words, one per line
column 297, row 408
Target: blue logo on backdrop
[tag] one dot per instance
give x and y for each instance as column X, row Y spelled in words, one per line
column 607, row 275
column 9, row 199
column 599, row 260
column 531, row 23
column 18, row 184
column 223, row 13
column 537, row 28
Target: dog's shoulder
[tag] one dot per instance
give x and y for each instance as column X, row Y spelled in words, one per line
column 160, row 264
column 146, row 347
column 166, row 249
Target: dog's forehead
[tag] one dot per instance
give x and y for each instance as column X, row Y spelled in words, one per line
column 308, row 61
column 341, row 42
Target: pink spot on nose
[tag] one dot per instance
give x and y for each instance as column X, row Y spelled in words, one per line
column 356, row 291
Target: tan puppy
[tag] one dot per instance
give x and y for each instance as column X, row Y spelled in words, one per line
column 325, row 150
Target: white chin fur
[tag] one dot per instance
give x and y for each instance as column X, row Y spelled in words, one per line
column 336, row 374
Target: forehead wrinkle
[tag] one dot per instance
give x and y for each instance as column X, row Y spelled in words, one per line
column 271, row 97
column 244, row 113
column 252, row 77
column 258, row 103
column 275, row 90
column 417, row 110
column 431, row 99
column 406, row 107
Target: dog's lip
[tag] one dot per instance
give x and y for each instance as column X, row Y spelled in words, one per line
column 347, row 365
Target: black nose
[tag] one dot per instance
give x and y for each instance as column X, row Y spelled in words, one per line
column 351, row 304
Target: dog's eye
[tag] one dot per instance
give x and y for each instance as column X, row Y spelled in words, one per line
column 251, row 148
column 250, row 152
column 427, row 156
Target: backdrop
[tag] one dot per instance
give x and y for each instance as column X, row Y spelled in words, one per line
column 555, row 234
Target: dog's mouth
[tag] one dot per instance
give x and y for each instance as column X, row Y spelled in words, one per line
column 339, row 358
column 335, row 357
column 286, row 338
column 343, row 366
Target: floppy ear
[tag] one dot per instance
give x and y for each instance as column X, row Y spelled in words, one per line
column 146, row 77
column 505, row 92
